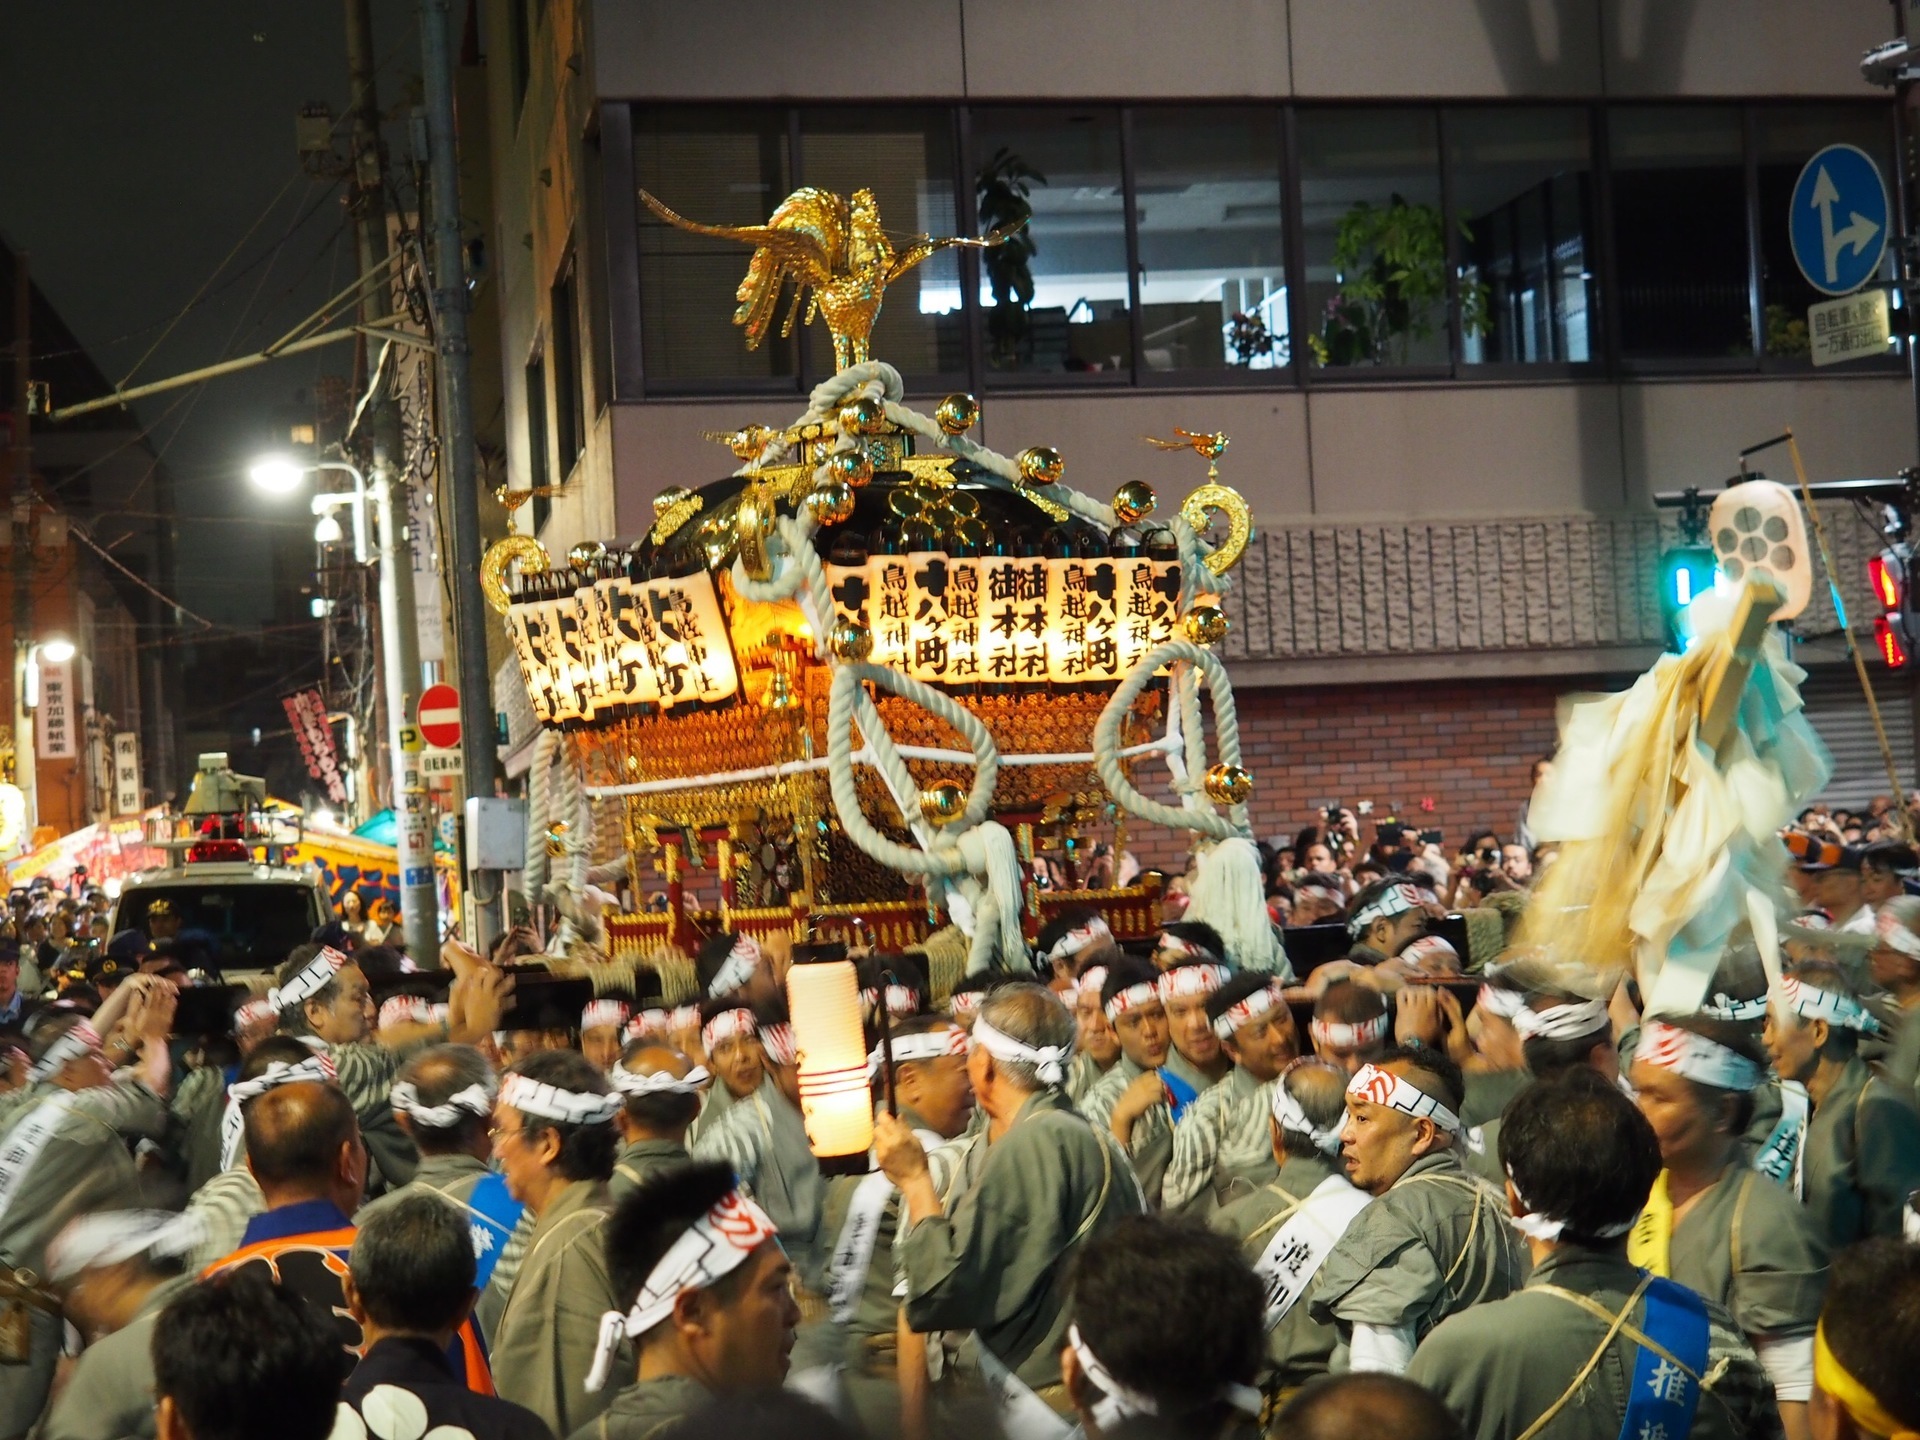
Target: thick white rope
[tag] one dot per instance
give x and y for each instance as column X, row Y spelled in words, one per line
column 1226, row 719
column 981, row 854
column 1162, row 746
column 534, row 871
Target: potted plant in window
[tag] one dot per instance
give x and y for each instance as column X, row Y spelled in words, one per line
column 1391, row 261
column 1001, row 192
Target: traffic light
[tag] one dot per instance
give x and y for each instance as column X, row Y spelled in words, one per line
column 1686, row 573
column 1894, row 628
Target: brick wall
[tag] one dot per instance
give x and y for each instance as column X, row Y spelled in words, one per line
column 1466, row 747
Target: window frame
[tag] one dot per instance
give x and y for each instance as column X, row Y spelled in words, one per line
column 631, row 383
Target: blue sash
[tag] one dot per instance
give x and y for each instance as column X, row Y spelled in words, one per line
column 1663, row 1396
column 1179, row 1093
column 494, row 1212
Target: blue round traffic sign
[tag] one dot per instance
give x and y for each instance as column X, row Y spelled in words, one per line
column 1839, row 218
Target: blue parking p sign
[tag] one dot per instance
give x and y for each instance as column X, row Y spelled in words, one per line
column 1839, row 219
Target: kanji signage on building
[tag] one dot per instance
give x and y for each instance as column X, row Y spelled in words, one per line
column 126, row 773
column 308, row 715
column 57, row 723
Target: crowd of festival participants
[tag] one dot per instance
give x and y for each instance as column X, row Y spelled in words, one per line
column 1145, row 1189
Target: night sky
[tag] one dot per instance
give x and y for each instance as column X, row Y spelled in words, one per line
column 142, row 143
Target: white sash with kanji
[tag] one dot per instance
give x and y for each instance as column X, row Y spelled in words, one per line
column 1294, row 1255
column 24, row 1145
column 853, row 1251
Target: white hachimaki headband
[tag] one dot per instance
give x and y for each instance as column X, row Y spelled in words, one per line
column 1536, row 1225
column 475, row 1101
column 1246, row 1010
column 1895, row 936
column 649, row 1022
column 965, row 1004
column 550, row 1102
column 112, row 1236
column 716, row 1245
column 737, row 969
column 1180, row 945
column 410, row 1010
column 1383, row 1087
column 316, row 1067
column 308, row 981
column 1185, row 981
column 929, row 1045
column 777, row 1040
column 684, row 1017
column 1079, row 938
column 1094, row 978
column 603, row 1014
column 1394, row 900
column 1810, row 1002
column 728, row 1025
column 79, row 1041
column 1426, row 945
column 1147, row 992
column 251, row 1014
column 1561, row 1022
column 1724, row 1007
column 1696, row 1057
column 1289, row 1115
column 1504, row 1003
column 660, row 1082
column 1339, row 1035
column 1119, row 1403
column 1049, row 1061
column 901, row 999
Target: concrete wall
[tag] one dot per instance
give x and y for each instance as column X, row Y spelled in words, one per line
column 1028, row 49
column 1437, row 452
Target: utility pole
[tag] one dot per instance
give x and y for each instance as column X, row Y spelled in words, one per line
column 399, row 639
column 21, row 462
column 450, row 305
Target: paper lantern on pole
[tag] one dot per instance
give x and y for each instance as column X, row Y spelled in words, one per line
column 835, row 1101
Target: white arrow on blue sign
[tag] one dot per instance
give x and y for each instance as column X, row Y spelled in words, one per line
column 1839, row 219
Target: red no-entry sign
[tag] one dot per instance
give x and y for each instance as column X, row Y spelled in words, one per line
column 440, row 716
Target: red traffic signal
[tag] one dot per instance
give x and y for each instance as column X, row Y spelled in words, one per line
column 1886, row 634
column 1888, row 577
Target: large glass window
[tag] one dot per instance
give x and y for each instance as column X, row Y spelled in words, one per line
column 1680, row 232
column 1376, row 252
column 1055, row 299
column 719, row 167
column 1785, row 138
column 1213, row 279
column 906, row 158
column 1522, row 190
column 569, row 401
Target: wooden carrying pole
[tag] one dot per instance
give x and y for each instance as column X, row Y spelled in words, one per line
column 1846, row 629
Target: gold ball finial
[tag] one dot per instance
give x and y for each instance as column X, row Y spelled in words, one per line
column 1134, row 502
column 1228, row 784
column 747, row 443
column 958, row 413
column 831, row 503
column 1205, row 625
column 864, row 416
column 851, row 467
column 586, row 554
column 942, row 803
column 852, row 641
column 668, row 498
column 1040, row 465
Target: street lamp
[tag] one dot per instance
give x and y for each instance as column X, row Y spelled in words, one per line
column 57, row 651
column 277, row 475
column 400, row 658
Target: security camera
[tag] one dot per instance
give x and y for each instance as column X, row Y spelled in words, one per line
column 1890, row 64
